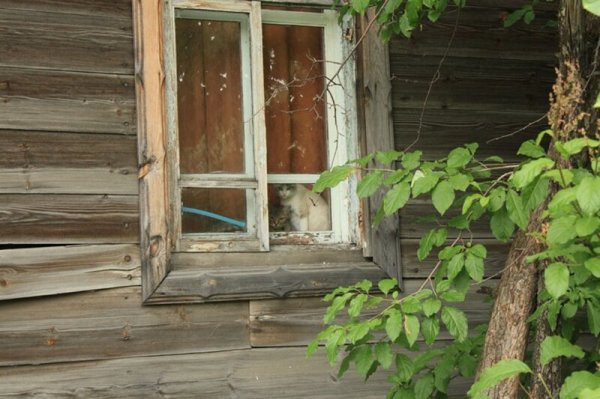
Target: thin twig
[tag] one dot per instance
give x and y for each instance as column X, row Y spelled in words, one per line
column 518, row 130
column 434, row 79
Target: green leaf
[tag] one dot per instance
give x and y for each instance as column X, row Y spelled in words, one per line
column 333, row 177
column 597, row 103
column 387, row 284
column 575, row 146
column 411, row 328
column 443, row 371
column 493, row 375
column 587, row 195
column 586, row 226
column 369, row 184
column 564, row 177
column 514, row 17
column 460, row 182
column 456, row 322
column 534, row 195
column 588, row 393
column 357, row 332
column 530, row 149
column 396, row 198
column 443, row 197
column 556, row 279
column 577, row 382
column 333, row 343
column 556, row 346
column 431, row 306
column 430, row 328
column 530, row 171
column 434, row 237
column 467, row 365
column 424, row 387
column 497, row 197
column 459, row 157
column 562, row 199
column 363, row 359
column 387, row 157
column 410, row 305
column 478, row 250
column 501, row 225
column 593, row 265
column 412, row 160
column 404, row 367
column 424, row 184
column 562, row 230
column 474, row 266
column 516, row 210
column 393, row 324
column 456, row 265
column 593, row 317
column 356, row 305
column 360, row 6
column 383, row 354
column 469, row 202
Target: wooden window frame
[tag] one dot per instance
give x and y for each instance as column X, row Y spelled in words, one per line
column 171, row 277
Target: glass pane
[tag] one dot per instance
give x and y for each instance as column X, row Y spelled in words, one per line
column 209, row 96
column 214, row 210
column 295, row 118
column 294, row 207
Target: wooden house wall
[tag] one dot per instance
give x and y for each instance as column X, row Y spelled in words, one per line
column 71, row 319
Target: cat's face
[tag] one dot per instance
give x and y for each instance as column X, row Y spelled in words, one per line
column 285, row 191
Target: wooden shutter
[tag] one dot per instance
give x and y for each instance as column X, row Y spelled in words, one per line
column 383, row 241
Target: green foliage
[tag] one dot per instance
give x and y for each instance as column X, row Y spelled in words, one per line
column 557, row 346
column 493, row 375
column 368, row 329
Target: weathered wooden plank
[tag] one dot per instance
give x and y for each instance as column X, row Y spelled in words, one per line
column 297, row 321
column 282, row 275
column 35, row 149
column 150, row 86
column 376, row 95
column 480, row 35
column 114, row 324
column 104, row 8
column 68, row 181
column 480, row 95
column 465, row 126
column 31, row 272
column 77, row 42
column 413, row 268
column 476, row 69
column 68, row 219
column 249, row 374
column 66, row 101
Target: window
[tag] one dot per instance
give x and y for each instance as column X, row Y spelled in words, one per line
column 241, row 104
column 260, row 113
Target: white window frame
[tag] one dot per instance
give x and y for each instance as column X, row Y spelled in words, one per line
column 342, row 143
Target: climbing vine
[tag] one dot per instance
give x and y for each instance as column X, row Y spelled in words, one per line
column 377, row 327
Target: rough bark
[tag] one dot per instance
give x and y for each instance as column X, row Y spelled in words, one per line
column 571, row 114
column 507, row 334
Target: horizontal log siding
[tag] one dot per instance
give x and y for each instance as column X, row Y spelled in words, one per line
column 249, row 374
column 31, row 272
column 493, row 82
column 114, row 324
column 67, row 126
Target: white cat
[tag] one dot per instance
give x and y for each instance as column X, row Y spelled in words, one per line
column 309, row 211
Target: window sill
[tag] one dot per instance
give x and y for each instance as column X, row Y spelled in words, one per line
column 281, row 273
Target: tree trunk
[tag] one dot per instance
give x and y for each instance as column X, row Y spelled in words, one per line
column 507, row 333
column 570, row 114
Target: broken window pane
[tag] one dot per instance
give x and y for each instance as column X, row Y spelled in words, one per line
column 209, row 95
column 294, row 111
